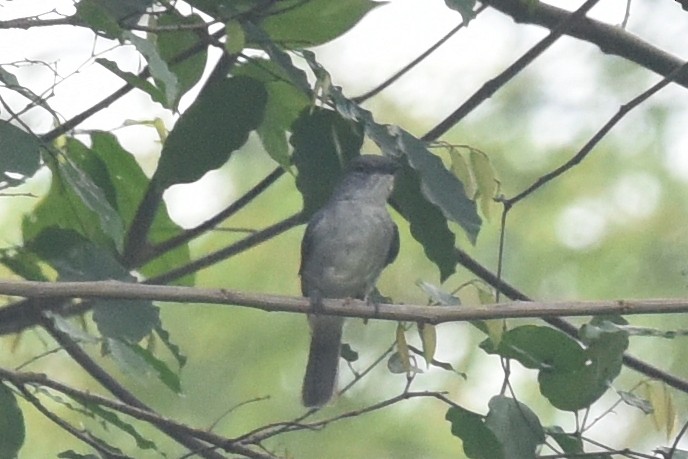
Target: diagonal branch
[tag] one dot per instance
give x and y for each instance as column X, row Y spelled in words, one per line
column 22, row 380
column 677, row 73
column 491, row 86
column 610, row 39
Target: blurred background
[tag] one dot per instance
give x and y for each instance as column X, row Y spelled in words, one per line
column 613, row 227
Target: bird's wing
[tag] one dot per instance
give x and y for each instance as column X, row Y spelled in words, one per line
column 393, row 246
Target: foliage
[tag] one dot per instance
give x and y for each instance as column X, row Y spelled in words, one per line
column 103, row 218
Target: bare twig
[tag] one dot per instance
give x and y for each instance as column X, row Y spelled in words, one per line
column 491, row 86
column 34, row 379
column 217, row 219
column 389, row 81
column 119, row 391
column 599, row 135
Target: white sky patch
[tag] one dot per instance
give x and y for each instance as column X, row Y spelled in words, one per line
column 636, row 195
column 583, row 224
column 193, row 203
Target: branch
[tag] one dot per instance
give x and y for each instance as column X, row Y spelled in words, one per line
column 491, row 86
column 599, row 135
column 344, row 307
column 109, row 383
column 34, row 379
column 610, row 39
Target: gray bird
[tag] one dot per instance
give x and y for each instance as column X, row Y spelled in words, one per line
column 345, row 248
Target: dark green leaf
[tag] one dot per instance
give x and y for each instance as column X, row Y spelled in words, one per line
column 76, row 258
column 114, row 420
column 348, row 353
column 439, row 185
column 305, row 24
column 464, row 7
column 216, row 124
column 631, row 399
column 129, row 183
column 98, row 18
column 569, row 443
column 157, row 66
column 12, row 430
column 428, row 225
column 129, row 320
column 70, row 454
column 173, row 348
column 539, row 347
column 23, row 263
column 19, row 152
column 285, row 103
column 323, row 142
column 479, row 442
column 165, row 375
column 516, row 427
column 170, row 43
column 94, row 189
column 156, row 94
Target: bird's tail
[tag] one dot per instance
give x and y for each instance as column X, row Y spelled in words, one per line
column 323, row 360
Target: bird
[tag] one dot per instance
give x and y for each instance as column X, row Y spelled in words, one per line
column 346, row 245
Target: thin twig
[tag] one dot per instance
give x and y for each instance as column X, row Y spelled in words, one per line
column 491, row 86
column 389, row 81
column 599, row 135
column 231, row 250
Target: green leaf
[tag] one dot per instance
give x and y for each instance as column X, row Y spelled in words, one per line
column 19, row 152
column 427, row 223
column 305, row 24
column 539, row 347
column 516, row 426
column 113, row 420
column 170, row 43
column 164, row 373
column 64, row 207
column 141, row 83
column 428, row 337
column 438, row 185
column 217, row 123
column 236, row 37
column 605, row 350
column 631, row 399
column 129, row 183
column 172, row 347
column 479, row 441
column 159, row 69
column 98, row 18
column 566, row 378
column 485, row 180
column 285, row 104
column 348, row 353
column 129, row 320
column 464, row 7
column 71, row 454
column 322, row 141
column 94, row 189
column 12, row 430
column 77, row 259
column 569, row 443
column 23, row 263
